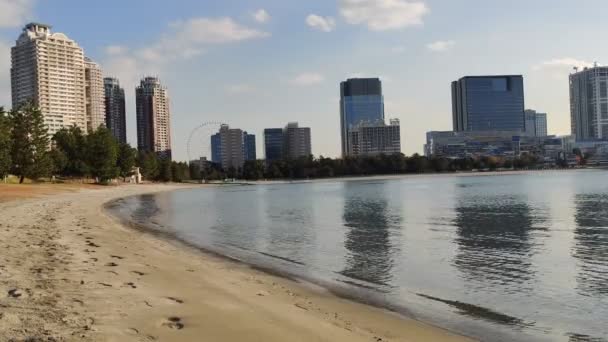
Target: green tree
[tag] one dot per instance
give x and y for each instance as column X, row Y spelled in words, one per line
column 148, row 163
column 253, row 170
column 127, row 156
column 102, row 150
column 30, row 143
column 73, row 143
column 164, row 170
column 60, row 160
column 5, row 144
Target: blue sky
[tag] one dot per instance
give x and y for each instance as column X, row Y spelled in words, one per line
column 262, row 63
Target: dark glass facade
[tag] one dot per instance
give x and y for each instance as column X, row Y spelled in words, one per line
column 249, row 146
column 216, row 148
column 488, row 103
column 361, row 100
column 115, row 106
column 273, row 144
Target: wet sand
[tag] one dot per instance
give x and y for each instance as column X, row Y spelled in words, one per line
column 68, row 271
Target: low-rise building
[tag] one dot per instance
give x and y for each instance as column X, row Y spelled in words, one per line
column 373, row 138
column 491, row 143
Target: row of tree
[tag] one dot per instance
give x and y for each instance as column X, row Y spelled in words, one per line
column 27, row 151
column 24, row 151
column 382, row 164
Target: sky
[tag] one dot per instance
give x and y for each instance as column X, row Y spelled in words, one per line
column 256, row 64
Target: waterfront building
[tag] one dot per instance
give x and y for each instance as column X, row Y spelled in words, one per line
column 115, row 109
column 297, row 141
column 541, row 125
column 361, row 100
column 249, row 146
column 373, row 138
column 536, row 123
column 488, row 103
column 273, row 144
column 49, row 70
column 589, row 103
column 231, row 147
column 95, row 97
column 508, row 144
column 216, row 149
column 153, row 117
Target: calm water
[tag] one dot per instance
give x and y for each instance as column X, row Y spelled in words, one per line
column 517, row 257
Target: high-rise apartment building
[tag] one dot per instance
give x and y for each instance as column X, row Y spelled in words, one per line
column 231, row 147
column 49, row 70
column 488, row 103
column 115, row 109
column 536, row 123
column 296, row 141
column 273, row 144
column 95, row 99
column 373, row 138
column 153, row 117
column 361, row 100
column 589, row 103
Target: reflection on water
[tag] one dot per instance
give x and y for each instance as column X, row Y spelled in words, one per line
column 147, row 208
column 516, row 257
column 494, row 246
column 368, row 223
column 591, row 243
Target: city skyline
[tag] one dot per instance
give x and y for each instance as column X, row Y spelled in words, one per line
column 420, row 54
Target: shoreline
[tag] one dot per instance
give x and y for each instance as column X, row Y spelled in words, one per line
column 85, row 276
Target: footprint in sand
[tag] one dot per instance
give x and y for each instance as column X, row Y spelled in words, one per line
column 15, row 293
column 111, row 264
column 175, row 300
column 173, row 323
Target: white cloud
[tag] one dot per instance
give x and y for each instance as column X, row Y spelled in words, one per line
column 240, row 89
column 398, row 49
column 261, row 16
column 182, row 40
column 382, row 15
column 441, row 45
column 307, row 79
column 15, row 12
column 562, row 63
column 325, row 24
column 115, row 50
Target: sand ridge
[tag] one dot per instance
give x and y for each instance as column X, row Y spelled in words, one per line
column 70, row 272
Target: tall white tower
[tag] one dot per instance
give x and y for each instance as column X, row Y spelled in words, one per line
column 95, row 95
column 48, row 69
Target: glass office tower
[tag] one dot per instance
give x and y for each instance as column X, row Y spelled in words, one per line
column 273, row 144
column 361, row 100
column 488, row 103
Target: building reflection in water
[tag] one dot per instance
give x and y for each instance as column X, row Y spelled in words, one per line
column 146, row 208
column 369, row 225
column 591, row 243
column 494, row 242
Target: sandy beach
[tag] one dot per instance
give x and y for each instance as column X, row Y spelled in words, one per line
column 70, row 272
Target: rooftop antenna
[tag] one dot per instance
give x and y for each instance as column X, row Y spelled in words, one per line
column 575, row 69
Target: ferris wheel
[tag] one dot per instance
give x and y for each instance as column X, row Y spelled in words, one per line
column 199, row 139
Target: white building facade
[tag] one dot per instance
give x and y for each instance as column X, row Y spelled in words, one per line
column 49, row 70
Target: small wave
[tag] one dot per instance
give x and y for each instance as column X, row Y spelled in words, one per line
column 283, row 258
column 481, row 312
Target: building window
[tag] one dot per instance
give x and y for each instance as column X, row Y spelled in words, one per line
column 603, row 90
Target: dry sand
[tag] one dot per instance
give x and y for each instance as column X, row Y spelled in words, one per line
column 69, row 272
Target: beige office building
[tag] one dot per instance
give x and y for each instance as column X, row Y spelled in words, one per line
column 49, row 69
column 95, row 95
